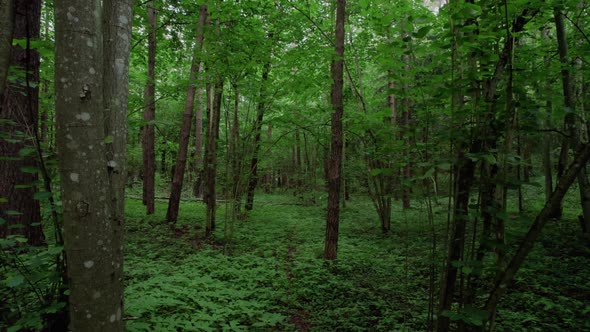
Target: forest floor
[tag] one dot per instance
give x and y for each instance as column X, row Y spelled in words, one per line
column 266, row 273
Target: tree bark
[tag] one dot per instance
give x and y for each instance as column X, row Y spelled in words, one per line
column 335, row 162
column 209, row 196
column 235, row 155
column 571, row 126
column 149, row 115
column 269, row 173
column 88, row 155
column 6, row 30
column 187, row 120
column 261, row 107
column 463, row 181
column 198, row 184
column 118, row 17
column 20, row 104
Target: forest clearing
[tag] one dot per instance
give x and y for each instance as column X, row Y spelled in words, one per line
column 294, row 165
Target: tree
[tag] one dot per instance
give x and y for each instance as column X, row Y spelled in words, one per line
column 149, row 114
column 571, row 126
column 7, row 16
column 187, row 119
column 210, row 170
column 19, row 115
column 91, row 67
column 260, row 108
column 335, row 162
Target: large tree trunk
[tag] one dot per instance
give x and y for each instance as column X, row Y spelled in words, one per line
column 6, row 30
column 19, row 104
column 335, row 162
column 261, row 107
column 149, row 115
column 90, row 170
column 210, row 171
column 187, row 120
column 117, row 20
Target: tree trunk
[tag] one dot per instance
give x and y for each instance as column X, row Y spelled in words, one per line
column 253, row 178
column 235, row 149
column 149, row 115
column 405, row 129
column 269, row 174
column 6, row 30
column 198, row 184
column 20, row 104
column 335, row 162
column 571, row 127
column 463, row 181
column 117, row 20
column 187, row 120
column 90, row 170
column 210, row 171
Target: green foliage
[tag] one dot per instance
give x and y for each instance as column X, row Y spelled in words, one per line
column 273, row 277
column 29, row 284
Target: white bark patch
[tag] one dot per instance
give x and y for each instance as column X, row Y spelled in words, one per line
column 88, row 316
column 84, row 116
column 72, row 145
column 72, row 17
column 92, row 71
column 112, row 163
column 88, row 264
column 119, row 313
column 119, row 65
column 100, row 242
column 96, row 295
column 89, row 42
column 123, row 19
column 75, row 177
column 113, row 318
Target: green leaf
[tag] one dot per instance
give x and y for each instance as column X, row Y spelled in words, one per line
column 12, row 213
column 42, row 195
column 6, row 243
column 26, row 151
column 14, row 280
column 55, row 250
column 29, row 169
column 376, row 171
column 423, row 31
column 109, row 139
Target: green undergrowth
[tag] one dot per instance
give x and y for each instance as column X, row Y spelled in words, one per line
column 266, row 273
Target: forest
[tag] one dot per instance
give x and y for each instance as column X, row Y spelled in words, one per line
column 294, row 165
